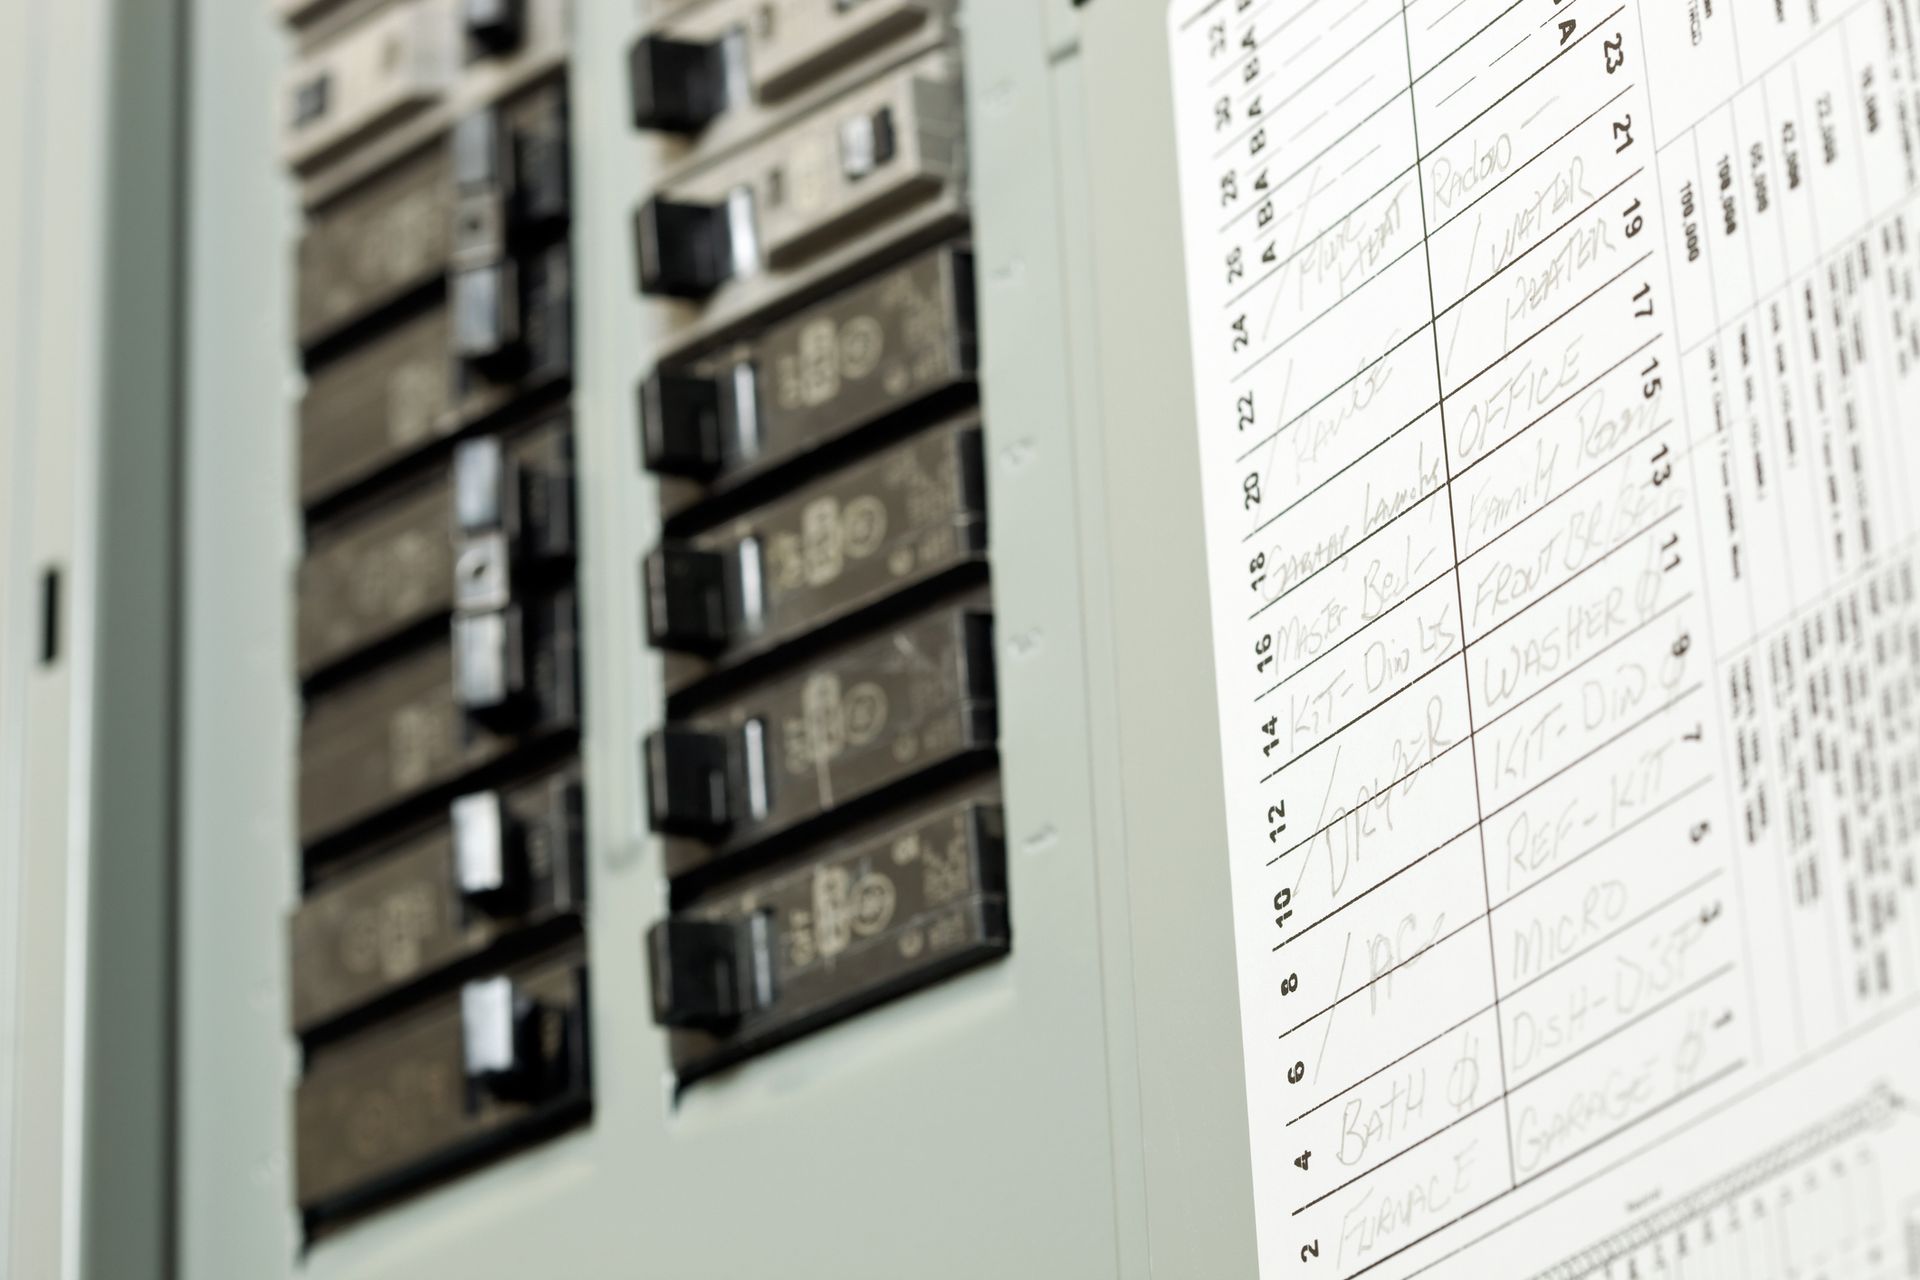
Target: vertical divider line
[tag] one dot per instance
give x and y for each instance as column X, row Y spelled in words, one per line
column 1756, row 1046
column 179, row 409
column 1459, row 596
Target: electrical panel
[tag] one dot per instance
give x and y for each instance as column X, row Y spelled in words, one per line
column 672, row 818
column 822, row 777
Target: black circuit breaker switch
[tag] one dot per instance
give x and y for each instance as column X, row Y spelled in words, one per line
column 516, row 176
column 686, row 594
column 529, row 505
column 490, row 668
column 480, row 471
column 680, row 425
column 500, row 1041
column 489, row 854
column 540, row 194
column 677, row 86
column 540, row 510
column 688, row 791
column 886, row 138
column 494, row 26
column 486, row 318
column 684, row 250
column 867, row 143
column 481, row 163
column 708, row 974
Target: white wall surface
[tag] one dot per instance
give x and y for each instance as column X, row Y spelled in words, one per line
column 87, row 293
column 50, row 60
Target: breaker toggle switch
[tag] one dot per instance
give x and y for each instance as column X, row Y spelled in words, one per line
column 480, row 487
column 487, row 332
column 867, row 142
column 708, row 974
column 689, row 788
column 489, row 854
column 531, row 504
column 500, row 1041
column 684, row 250
column 677, row 86
column 540, row 197
column 494, row 26
column 680, row 417
column 687, row 600
column 490, row 668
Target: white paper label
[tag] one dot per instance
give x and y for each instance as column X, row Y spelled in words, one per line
column 1558, row 371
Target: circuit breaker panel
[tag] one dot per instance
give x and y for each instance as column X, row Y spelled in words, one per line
column 823, row 775
column 438, row 981
column 682, row 720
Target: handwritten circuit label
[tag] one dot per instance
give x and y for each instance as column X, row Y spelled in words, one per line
column 1556, row 364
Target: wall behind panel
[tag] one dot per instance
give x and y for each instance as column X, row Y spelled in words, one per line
column 17, row 108
column 87, row 276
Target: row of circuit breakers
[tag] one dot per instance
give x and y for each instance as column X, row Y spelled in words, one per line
column 824, row 782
